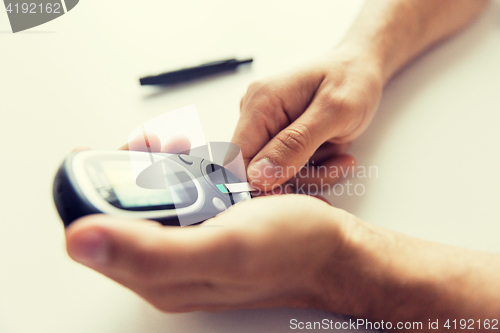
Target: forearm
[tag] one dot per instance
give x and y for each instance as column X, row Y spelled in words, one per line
column 395, row 31
column 393, row 277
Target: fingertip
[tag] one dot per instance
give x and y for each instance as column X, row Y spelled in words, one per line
column 264, row 173
column 348, row 162
column 124, row 147
column 353, row 160
column 88, row 243
column 177, row 144
column 148, row 142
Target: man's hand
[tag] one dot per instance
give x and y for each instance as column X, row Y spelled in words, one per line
column 290, row 251
column 309, row 115
column 313, row 114
column 267, row 252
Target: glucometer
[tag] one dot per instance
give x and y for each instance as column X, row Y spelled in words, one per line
column 173, row 189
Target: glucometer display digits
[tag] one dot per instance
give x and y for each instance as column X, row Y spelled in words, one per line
column 115, row 183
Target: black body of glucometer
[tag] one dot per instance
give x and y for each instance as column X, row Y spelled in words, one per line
column 174, row 190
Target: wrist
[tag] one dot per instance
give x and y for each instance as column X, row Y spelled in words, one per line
column 343, row 283
column 379, row 274
column 370, row 275
column 366, row 54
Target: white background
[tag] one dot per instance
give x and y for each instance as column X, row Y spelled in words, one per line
column 74, row 81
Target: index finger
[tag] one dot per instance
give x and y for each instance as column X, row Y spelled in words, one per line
column 269, row 107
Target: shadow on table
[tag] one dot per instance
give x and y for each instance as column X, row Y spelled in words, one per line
column 167, row 89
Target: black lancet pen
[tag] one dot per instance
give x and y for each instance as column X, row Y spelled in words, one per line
column 191, row 73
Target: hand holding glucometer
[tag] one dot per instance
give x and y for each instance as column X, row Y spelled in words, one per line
column 173, row 189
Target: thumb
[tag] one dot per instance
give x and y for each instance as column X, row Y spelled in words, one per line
column 132, row 251
column 285, row 154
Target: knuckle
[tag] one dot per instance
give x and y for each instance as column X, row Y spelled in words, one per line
column 260, row 97
column 267, row 105
column 344, row 111
column 264, row 107
column 294, row 140
column 338, row 100
column 257, row 86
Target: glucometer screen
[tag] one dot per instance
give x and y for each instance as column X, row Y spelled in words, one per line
column 117, row 185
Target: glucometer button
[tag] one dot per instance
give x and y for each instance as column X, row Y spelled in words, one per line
column 219, row 204
column 186, row 159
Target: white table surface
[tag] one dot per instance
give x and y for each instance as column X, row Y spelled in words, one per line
column 73, row 81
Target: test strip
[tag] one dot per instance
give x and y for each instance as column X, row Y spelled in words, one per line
column 235, row 187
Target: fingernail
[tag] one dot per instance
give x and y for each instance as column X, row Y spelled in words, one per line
column 263, row 172
column 91, row 248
